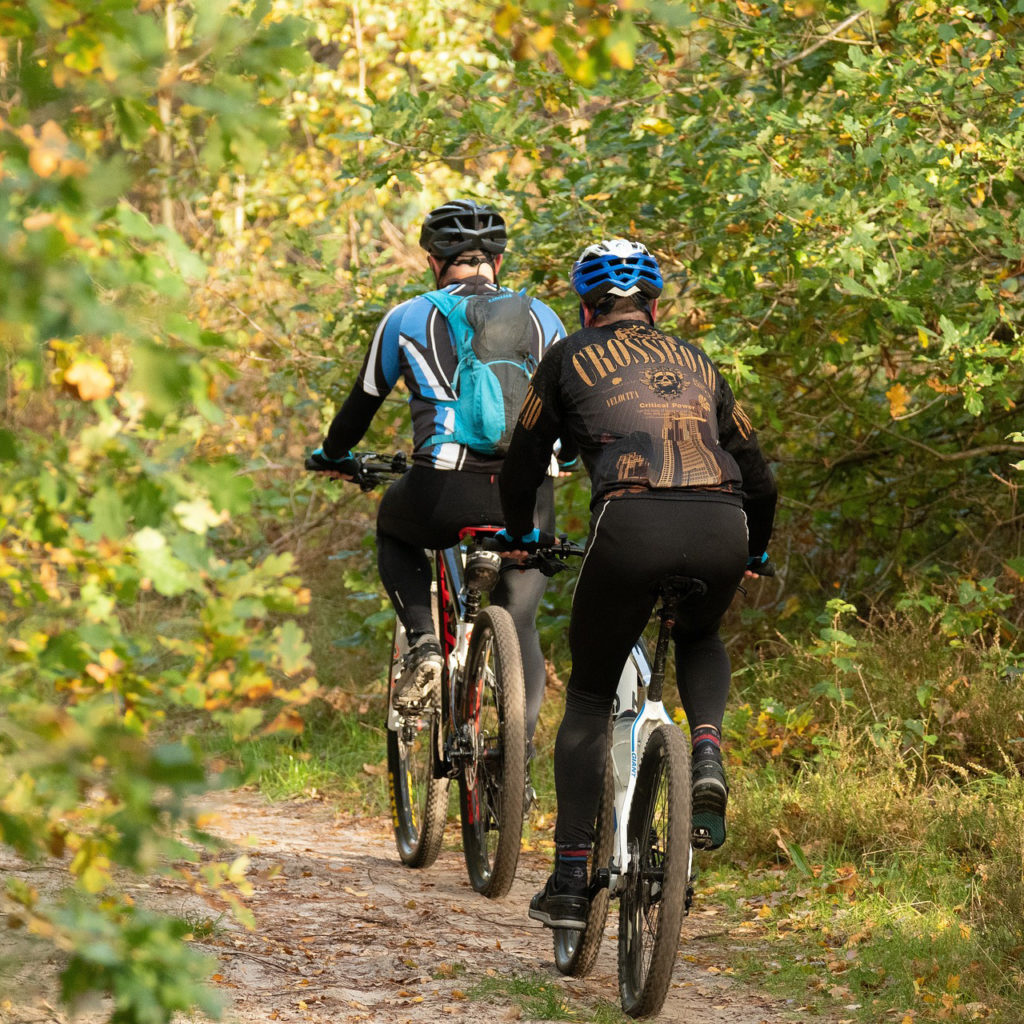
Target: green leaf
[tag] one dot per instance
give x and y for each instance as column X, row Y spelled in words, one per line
column 163, row 376
column 292, row 646
column 168, row 574
column 8, row 446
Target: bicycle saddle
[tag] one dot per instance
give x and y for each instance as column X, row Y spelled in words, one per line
column 678, row 589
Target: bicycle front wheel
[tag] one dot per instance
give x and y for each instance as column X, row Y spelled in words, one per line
column 491, row 704
column 653, row 901
column 576, row 950
column 419, row 800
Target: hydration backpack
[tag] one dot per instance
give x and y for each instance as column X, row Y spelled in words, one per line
column 491, row 334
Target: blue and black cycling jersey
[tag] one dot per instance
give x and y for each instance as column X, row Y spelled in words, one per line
column 412, row 343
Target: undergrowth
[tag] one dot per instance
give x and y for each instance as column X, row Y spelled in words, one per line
column 876, row 849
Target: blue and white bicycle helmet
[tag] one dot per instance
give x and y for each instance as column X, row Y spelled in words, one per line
column 616, row 267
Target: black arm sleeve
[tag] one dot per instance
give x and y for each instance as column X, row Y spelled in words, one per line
column 760, row 493
column 350, row 423
column 529, row 453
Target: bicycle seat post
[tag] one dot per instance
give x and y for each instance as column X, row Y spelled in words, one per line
column 667, row 614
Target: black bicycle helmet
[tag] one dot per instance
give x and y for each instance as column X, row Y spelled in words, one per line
column 461, row 226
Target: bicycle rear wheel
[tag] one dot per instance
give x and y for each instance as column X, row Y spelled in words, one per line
column 576, row 950
column 419, row 800
column 492, row 707
column 653, row 901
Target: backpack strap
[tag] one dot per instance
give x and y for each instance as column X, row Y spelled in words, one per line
column 453, row 309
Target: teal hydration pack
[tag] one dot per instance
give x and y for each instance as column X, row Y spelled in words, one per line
column 491, row 335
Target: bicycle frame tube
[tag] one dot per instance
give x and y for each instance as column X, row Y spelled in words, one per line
column 636, row 674
column 454, row 631
column 651, row 715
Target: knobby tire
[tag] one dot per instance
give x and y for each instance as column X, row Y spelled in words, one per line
column 653, row 902
column 419, row 801
column 576, row 950
column 492, row 708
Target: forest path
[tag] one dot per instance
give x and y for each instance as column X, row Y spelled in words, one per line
column 344, row 933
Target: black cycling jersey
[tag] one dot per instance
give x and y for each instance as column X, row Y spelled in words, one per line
column 648, row 412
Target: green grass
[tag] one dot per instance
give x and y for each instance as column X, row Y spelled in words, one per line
column 878, row 858
column 540, row 997
column 340, row 755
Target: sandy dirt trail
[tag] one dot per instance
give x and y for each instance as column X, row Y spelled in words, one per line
column 345, row 933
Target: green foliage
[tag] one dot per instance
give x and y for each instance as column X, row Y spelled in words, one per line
column 123, row 610
column 201, row 228
column 141, row 959
column 834, row 226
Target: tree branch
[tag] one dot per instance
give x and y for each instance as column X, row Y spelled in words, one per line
column 827, row 38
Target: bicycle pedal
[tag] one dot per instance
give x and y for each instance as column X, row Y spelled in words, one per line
column 601, row 880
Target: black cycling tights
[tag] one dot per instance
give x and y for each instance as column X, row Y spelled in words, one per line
column 425, row 510
column 634, row 542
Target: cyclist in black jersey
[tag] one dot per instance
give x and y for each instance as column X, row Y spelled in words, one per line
column 449, row 486
column 680, row 486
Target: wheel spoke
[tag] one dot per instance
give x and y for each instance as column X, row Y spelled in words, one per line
column 653, row 901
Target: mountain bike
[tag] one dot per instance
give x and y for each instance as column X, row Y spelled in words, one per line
column 642, row 851
column 475, row 732
column 473, row 728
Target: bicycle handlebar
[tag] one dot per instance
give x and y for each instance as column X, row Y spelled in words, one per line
column 550, row 559
column 371, row 470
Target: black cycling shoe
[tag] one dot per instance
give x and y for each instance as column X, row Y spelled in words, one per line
column 710, row 795
column 421, row 673
column 556, row 909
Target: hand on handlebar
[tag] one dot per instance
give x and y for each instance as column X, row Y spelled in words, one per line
column 759, row 565
column 319, row 462
column 527, row 544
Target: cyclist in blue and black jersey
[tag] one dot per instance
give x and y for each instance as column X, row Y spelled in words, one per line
column 449, row 486
column 679, row 486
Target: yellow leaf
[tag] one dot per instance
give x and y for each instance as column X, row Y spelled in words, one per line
column 288, row 720
column 220, row 679
column 38, row 221
column 506, row 19
column 90, row 378
column 542, row 39
column 97, row 672
column 658, row 125
column 899, row 398
column 110, row 661
column 621, row 55
column 259, row 690
column 922, row 336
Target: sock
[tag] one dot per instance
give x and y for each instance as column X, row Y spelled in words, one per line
column 571, row 866
column 707, row 736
